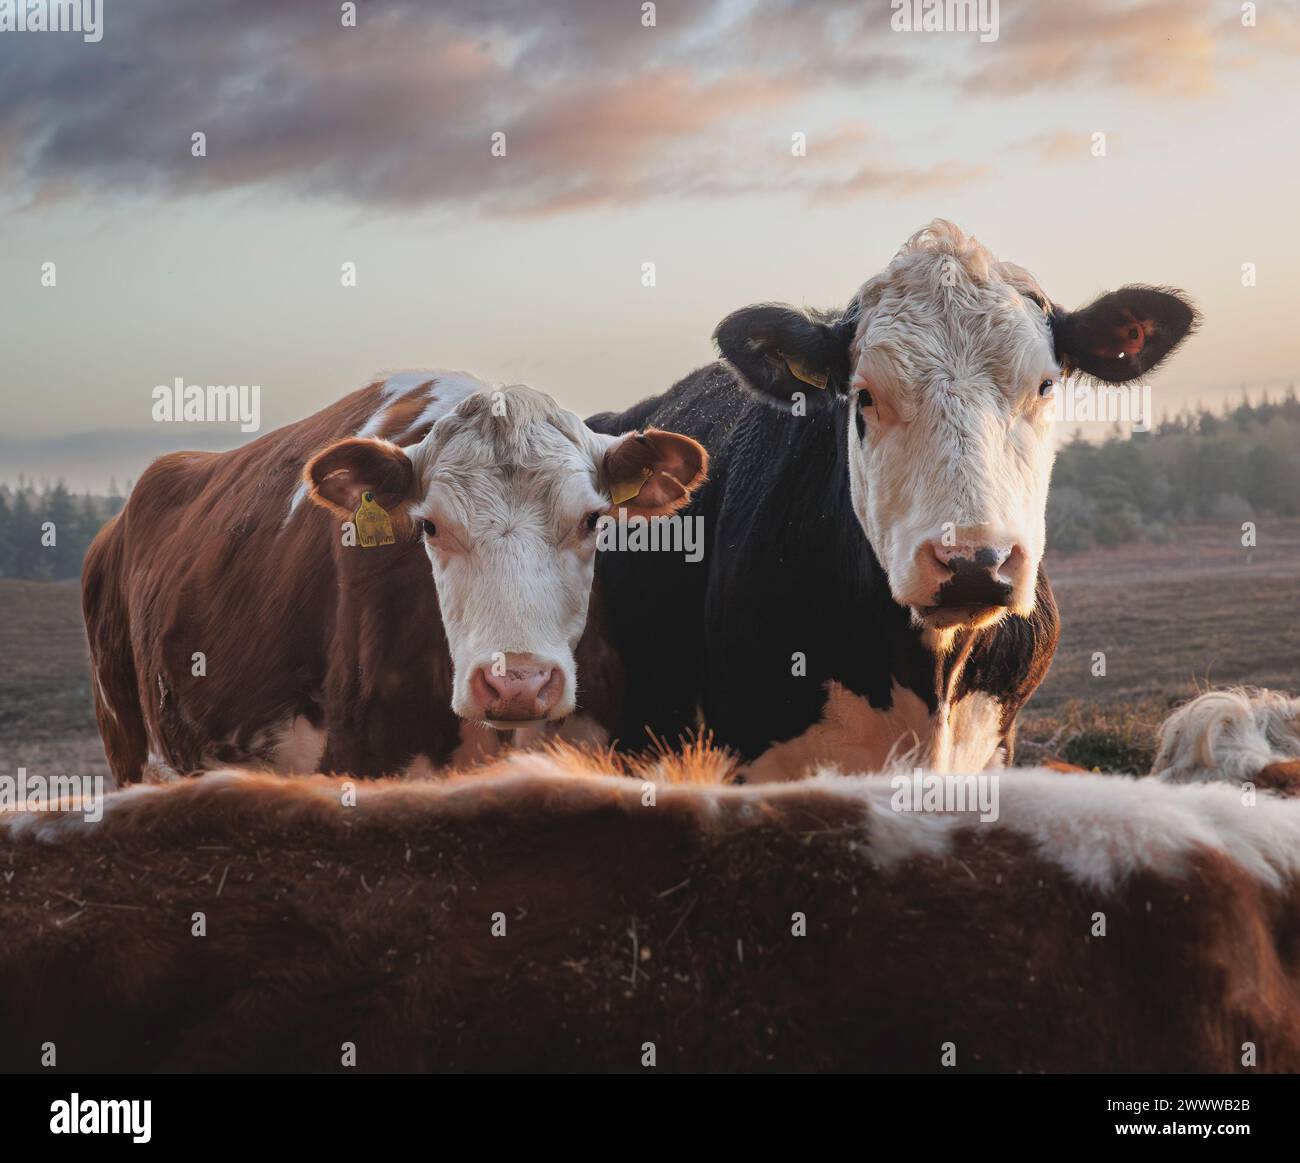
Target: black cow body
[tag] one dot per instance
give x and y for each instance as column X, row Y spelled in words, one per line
column 918, row 417
column 787, row 573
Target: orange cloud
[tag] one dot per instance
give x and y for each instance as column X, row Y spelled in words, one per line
column 1163, row 47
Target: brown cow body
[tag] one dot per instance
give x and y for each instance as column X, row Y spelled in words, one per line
column 538, row 917
column 229, row 624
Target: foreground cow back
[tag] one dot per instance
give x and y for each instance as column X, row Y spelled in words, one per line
column 540, row 917
column 344, row 592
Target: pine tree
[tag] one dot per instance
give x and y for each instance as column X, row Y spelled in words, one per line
column 66, row 553
column 26, row 538
column 6, row 538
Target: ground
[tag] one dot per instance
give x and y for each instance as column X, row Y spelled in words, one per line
column 1171, row 619
column 47, row 723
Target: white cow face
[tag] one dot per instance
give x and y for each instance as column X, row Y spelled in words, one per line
column 949, row 362
column 506, row 493
column 950, row 441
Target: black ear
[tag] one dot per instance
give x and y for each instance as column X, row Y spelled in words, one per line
column 1124, row 334
column 779, row 350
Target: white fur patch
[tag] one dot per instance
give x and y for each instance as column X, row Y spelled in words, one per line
column 1228, row 735
column 420, row 767
column 1099, row 829
column 1103, row 828
column 103, row 695
column 300, row 747
column 445, row 389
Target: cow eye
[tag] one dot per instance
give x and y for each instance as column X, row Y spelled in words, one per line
column 864, row 399
column 430, row 529
column 593, row 519
column 1046, row 388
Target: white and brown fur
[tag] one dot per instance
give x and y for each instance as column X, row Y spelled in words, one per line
column 1239, row 735
column 669, row 919
column 321, row 655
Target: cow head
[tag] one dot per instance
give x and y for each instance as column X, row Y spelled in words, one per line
column 506, row 492
column 948, row 362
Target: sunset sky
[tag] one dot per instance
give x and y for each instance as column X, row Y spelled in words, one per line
column 624, row 145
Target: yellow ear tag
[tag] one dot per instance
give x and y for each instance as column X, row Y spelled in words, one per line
column 817, row 380
column 626, row 490
column 374, row 526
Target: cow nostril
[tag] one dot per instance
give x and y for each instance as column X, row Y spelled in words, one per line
column 989, row 558
column 940, row 554
column 552, row 688
column 488, row 686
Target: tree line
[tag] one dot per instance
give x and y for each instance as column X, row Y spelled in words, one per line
column 45, row 531
column 1239, row 464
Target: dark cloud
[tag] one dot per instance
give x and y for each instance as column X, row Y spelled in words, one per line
column 597, row 109
column 399, row 111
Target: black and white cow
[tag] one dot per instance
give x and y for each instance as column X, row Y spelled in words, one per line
column 921, row 415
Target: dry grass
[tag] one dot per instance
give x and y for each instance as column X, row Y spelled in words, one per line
column 1198, row 612
column 697, row 761
column 1172, row 620
column 47, row 723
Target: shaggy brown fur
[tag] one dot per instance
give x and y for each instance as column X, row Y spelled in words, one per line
column 291, row 623
column 1283, row 778
column 629, row 924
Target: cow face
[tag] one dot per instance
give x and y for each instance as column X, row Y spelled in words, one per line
column 506, row 493
column 948, row 362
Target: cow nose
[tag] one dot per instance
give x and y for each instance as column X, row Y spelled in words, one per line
column 516, row 685
column 973, row 574
column 516, row 688
column 989, row 557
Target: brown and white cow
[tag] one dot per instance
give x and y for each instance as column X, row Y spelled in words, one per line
column 236, row 613
column 548, row 916
column 1243, row 735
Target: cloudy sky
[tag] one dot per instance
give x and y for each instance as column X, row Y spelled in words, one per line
column 624, row 145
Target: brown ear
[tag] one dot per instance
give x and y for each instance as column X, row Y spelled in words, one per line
column 341, row 473
column 653, row 473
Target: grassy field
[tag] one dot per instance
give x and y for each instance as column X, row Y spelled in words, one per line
column 1170, row 619
column 46, row 721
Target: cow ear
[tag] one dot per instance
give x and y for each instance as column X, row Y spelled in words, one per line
column 1124, row 334
column 339, row 475
column 653, row 473
column 778, row 350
